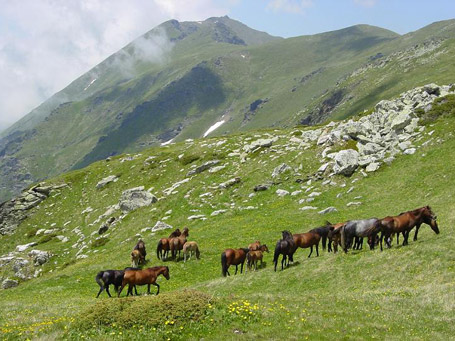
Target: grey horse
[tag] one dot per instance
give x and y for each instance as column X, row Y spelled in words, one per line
column 359, row 228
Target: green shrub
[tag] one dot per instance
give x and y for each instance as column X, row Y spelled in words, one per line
column 32, row 233
column 151, row 311
column 452, row 88
column 100, row 242
column 442, row 107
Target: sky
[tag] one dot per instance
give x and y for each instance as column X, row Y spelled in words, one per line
column 46, row 44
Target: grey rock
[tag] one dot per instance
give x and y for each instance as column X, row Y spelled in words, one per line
column 346, row 162
column 216, row 169
column 21, row 248
column 170, row 190
column 9, row 283
column 307, row 208
column 106, row 180
column 39, row 257
column 161, row 226
column 255, row 145
column 194, row 217
column 261, row 187
column 203, row 167
column 229, row 183
column 218, row 212
column 409, row 151
column 135, row 198
column 283, row 168
column 373, row 167
column 328, row 210
column 282, row 192
column 296, row 193
column 353, row 203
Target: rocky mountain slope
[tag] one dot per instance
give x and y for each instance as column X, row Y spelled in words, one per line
column 230, row 191
column 186, row 80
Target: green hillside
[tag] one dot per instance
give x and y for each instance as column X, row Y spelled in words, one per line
column 179, row 79
column 402, row 292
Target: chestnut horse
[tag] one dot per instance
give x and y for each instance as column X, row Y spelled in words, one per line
column 176, row 243
column 285, row 247
column 405, row 222
column 334, row 237
column 189, row 249
column 163, row 244
column 256, row 255
column 254, row 246
column 233, row 257
column 107, row 277
column 141, row 277
column 307, row 239
column 140, row 246
column 136, row 258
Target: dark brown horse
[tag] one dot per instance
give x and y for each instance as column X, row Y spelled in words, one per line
column 140, row 246
column 307, row 239
column 255, row 256
column 233, row 257
column 405, row 222
column 176, row 243
column 323, row 231
column 141, row 277
column 106, row 278
column 285, row 247
column 163, row 244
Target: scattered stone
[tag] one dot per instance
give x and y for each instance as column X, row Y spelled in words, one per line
column 346, row 162
column 373, row 167
column 296, row 193
column 283, row 168
column 314, row 194
column 217, row 212
column 106, row 180
column 307, row 208
column 170, row 190
column 216, row 169
column 409, row 151
column 328, row 210
column 22, row 248
column 256, row 145
column 194, row 217
column 353, row 203
column 281, row 192
column 229, row 183
column 161, row 226
column 203, row 167
column 39, row 257
column 135, row 198
column 262, row 187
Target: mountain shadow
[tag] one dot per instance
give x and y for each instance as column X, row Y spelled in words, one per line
column 199, row 89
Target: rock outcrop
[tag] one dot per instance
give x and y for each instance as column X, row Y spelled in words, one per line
column 135, row 198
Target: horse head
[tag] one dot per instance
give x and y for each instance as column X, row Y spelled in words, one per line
column 166, row 273
column 286, row 234
column 264, row 248
column 430, row 219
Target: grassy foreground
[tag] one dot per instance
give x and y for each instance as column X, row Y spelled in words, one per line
column 402, row 293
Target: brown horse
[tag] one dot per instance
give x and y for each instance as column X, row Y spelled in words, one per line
column 176, row 244
column 136, row 258
column 307, row 239
column 140, row 246
column 189, row 249
column 141, row 277
column 163, row 244
column 233, row 257
column 254, row 246
column 285, row 247
column 254, row 256
column 405, row 222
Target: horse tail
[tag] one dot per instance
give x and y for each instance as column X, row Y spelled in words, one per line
column 159, row 249
column 224, row 264
column 99, row 279
column 197, row 252
column 343, row 237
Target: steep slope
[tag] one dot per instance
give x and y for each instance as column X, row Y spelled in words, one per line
column 180, row 79
column 402, row 292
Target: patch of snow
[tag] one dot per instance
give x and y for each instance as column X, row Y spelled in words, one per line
column 213, row 127
column 93, row 81
column 167, row 142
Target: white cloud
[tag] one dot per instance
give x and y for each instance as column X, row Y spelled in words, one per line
column 289, row 6
column 365, row 3
column 46, row 44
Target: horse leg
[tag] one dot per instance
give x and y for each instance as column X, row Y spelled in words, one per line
column 283, row 261
column 107, row 290
column 158, row 286
column 416, row 232
column 236, row 268
column 121, row 288
column 311, row 251
column 241, row 268
column 101, row 290
column 135, row 290
column 148, row 290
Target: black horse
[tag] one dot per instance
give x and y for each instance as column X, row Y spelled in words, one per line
column 323, row 231
column 115, row 277
column 285, row 247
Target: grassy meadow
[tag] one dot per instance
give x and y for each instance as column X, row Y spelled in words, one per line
column 401, row 293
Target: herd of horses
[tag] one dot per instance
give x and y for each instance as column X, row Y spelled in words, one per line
column 349, row 234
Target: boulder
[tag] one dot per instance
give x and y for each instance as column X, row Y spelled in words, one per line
column 135, row 198
column 346, row 162
column 21, row 248
column 255, row 145
column 373, row 167
column 401, row 120
column 39, row 257
column 9, row 283
column 106, row 180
